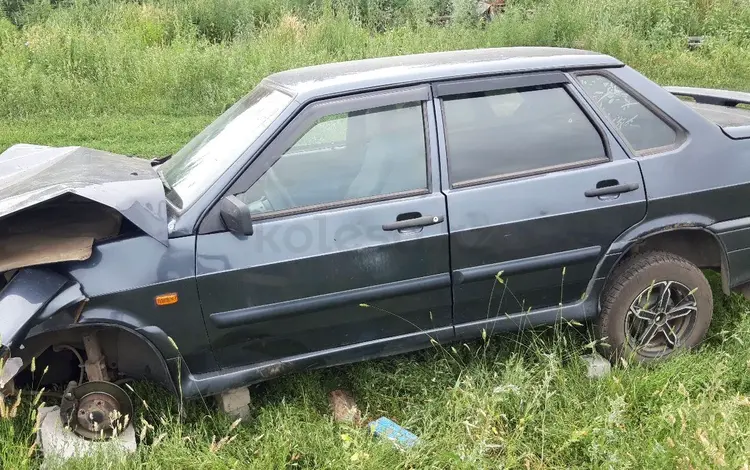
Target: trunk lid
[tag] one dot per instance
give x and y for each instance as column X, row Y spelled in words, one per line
column 722, row 107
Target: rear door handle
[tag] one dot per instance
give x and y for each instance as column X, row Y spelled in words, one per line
column 413, row 223
column 614, row 189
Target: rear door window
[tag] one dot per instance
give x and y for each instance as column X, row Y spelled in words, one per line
column 517, row 132
column 644, row 130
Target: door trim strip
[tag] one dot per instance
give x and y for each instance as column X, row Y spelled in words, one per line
column 519, row 266
column 275, row 310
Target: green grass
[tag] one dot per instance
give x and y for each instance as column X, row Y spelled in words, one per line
column 155, row 57
column 521, row 401
column 146, row 136
column 143, row 77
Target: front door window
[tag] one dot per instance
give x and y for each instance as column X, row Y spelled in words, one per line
column 346, row 157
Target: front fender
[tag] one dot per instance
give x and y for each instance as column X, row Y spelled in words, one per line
column 32, row 296
column 36, row 302
column 172, row 370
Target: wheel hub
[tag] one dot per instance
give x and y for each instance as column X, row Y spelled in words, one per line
column 96, row 410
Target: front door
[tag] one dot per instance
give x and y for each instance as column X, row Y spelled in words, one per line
column 349, row 255
column 537, row 190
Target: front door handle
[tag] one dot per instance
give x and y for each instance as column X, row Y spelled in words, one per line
column 614, row 189
column 423, row 221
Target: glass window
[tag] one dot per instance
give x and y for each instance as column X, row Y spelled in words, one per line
column 344, row 157
column 328, row 132
column 642, row 128
column 516, row 132
column 199, row 164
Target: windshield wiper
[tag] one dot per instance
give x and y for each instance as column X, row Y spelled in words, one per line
column 169, row 192
column 159, row 160
column 164, row 182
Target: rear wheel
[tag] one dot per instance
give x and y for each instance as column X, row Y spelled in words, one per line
column 656, row 303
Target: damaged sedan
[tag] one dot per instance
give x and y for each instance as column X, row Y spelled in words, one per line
column 356, row 210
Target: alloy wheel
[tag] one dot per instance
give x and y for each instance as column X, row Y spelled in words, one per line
column 660, row 318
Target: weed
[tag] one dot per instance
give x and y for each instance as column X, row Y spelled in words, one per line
column 142, row 77
column 163, row 57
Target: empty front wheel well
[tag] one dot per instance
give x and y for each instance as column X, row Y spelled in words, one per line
column 127, row 353
column 697, row 245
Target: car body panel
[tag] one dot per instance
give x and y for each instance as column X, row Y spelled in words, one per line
column 699, row 190
column 542, row 237
column 735, row 237
column 304, row 281
column 122, row 279
column 31, row 296
column 33, row 174
column 317, row 81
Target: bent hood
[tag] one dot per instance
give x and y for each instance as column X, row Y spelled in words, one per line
column 33, row 174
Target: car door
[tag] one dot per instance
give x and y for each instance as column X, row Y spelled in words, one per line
column 349, row 254
column 537, row 189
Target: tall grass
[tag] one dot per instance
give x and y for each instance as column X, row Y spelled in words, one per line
column 169, row 57
column 143, row 76
column 518, row 401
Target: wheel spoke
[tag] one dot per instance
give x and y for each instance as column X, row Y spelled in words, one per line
column 682, row 310
column 670, row 335
column 647, row 335
column 664, row 296
column 663, row 309
column 642, row 313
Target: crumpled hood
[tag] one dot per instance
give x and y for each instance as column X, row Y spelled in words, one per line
column 33, row 174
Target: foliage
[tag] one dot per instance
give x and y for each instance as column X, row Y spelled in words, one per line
column 169, row 57
column 511, row 401
column 142, row 77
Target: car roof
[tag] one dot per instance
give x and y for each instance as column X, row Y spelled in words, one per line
column 342, row 77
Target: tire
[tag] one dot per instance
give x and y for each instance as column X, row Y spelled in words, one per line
column 655, row 304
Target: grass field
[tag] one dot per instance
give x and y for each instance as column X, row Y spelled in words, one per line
column 143, row 77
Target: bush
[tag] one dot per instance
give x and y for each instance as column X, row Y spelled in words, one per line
column 194, row 57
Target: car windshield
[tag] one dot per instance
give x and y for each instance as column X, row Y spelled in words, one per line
column 190, row 171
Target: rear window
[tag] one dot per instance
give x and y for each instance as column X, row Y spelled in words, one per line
column 644, row 130
column 517, row 132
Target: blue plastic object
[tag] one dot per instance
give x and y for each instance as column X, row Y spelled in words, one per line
column 384, row 427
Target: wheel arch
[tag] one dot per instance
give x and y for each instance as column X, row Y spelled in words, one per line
column 692, row 241
column 130, row 350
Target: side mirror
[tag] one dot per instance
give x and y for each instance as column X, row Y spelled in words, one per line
column 236, row 216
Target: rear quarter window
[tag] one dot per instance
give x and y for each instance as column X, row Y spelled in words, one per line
column 644, row 131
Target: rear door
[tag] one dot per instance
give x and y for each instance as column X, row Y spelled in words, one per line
column 349, row 255
column 537, row 189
